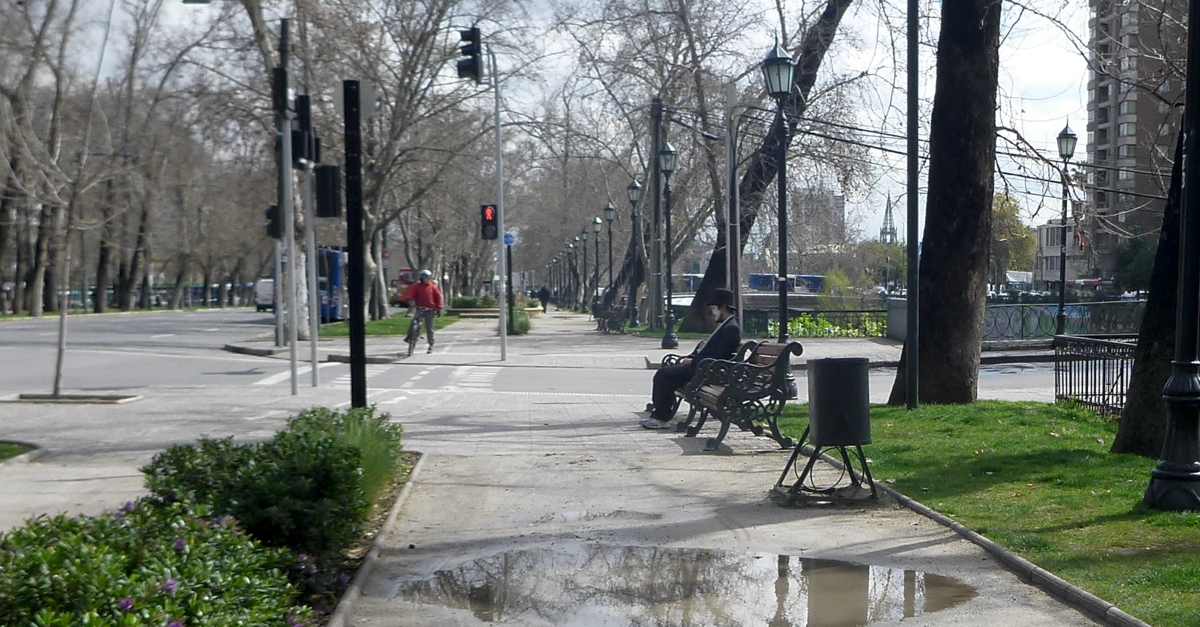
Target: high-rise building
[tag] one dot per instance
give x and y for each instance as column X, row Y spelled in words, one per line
column 819, row 217
column 1134, row 86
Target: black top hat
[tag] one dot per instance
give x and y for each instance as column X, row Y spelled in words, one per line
column 723, row 298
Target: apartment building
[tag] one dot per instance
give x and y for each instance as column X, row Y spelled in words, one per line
column 1134, row 87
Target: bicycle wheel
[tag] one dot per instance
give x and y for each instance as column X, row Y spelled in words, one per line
column 414, row 331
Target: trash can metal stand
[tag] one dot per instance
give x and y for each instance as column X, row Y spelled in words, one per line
column 839, row 416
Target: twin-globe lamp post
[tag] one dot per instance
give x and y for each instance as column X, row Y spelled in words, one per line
column 779, row 72
column 634, row 192
column 1066, row 148
column 666, row 164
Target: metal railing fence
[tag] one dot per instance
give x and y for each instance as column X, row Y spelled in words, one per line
column 1039, row 321
column 1094, row 370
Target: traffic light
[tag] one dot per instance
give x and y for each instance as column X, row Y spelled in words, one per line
column 472, row 65
column 329, row 191
column 274, row 222
column 491, row 225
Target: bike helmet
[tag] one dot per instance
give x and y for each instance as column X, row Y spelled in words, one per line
column 425, row 273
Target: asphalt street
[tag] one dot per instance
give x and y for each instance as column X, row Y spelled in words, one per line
column 128, row 352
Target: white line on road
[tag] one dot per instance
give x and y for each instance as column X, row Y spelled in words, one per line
column 417, row 377
column 155, row 337
column 287, row 374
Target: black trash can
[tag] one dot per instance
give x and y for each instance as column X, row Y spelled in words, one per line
column 839, row 402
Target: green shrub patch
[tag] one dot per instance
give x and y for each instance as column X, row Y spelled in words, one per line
column 150, row 563
column 233, row 534
column 298, row 490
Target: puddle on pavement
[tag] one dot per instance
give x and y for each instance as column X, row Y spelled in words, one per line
column 587, row 584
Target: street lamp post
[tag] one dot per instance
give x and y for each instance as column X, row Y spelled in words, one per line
column 596, row 270
column 779, row 71
column 634, row 191
column 574, row 282
column 583, row 276
column 610, row 214
column 666, row 164
column 1066, row 148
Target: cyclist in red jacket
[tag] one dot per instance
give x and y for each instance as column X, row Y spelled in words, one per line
column 426, row 298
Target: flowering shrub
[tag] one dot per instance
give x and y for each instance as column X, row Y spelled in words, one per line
column 150, row 563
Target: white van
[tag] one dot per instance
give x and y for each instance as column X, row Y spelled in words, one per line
column 264, row 294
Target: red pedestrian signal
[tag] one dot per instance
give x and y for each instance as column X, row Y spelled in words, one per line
column 490, row 221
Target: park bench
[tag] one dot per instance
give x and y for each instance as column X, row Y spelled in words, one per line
column 673, row 359
column 747, row 392
column 611, row 320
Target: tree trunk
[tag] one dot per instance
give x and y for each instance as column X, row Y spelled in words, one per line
column 104, row 262
column 1143, row 427
column 958, row 210
column 41, row 259
column 22, row 276
column 760, row 172
column 177, row 292
column 129, row 279
column 8, row 215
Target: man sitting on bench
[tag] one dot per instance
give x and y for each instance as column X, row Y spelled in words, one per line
column 722, row 344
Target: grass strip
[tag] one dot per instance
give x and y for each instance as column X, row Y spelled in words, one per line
column 1038, row 479
column 395, row 325
column 9, row 450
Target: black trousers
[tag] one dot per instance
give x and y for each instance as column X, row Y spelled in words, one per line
column 666, row 381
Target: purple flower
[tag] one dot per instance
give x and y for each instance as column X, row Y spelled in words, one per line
column 174, row 623
column 128, row 506
column 344, row 578
column 170, row 586
column 303, row 558
column 319, row 589
column 126, row 605
column 180, row 544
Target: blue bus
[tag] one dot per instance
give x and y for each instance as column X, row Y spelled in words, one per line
column 765, row 282
column 331, row 284
column 812, row 282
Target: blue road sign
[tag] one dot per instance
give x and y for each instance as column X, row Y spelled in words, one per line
column 509, row 240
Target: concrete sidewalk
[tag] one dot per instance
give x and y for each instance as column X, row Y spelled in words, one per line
column 511, row 472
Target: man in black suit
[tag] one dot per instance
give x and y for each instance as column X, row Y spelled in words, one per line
column 722, row 344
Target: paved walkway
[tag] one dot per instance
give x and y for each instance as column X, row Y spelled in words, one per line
column 506, row 473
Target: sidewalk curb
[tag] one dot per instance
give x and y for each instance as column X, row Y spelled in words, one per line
column 1026, row 571
column 257, row 352
column 25, row 458
column 345, row 607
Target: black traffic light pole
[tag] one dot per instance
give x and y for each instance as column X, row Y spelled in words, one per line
column 508, row 282
column 352, row 93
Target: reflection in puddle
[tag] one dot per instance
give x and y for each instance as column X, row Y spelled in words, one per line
column 586, row 584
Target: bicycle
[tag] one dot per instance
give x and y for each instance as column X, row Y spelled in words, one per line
column 414, row 328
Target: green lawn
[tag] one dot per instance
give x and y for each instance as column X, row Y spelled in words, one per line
column 8, row 450
column 1038, row 479
column 395, row 325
